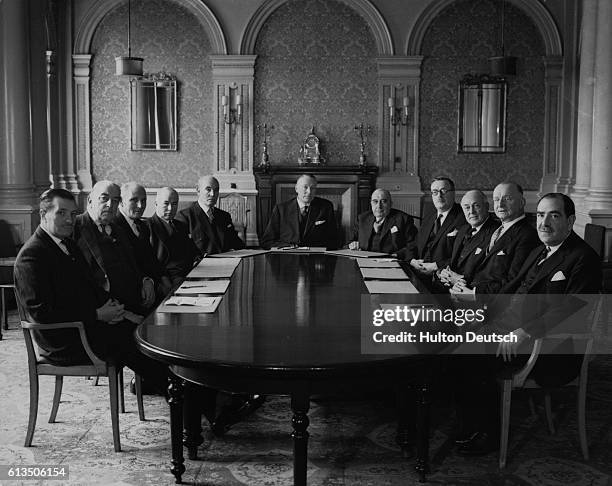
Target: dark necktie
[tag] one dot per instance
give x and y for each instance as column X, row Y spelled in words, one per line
column 470, row 234
column 70, row 246
column 377, row 226
column 543, row 255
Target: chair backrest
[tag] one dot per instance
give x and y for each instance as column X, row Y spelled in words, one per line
column 236, row 205
column 595, row 235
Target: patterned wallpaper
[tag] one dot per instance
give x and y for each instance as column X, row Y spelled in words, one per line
column 459, row 41
column 316, row 66
column 155, row 24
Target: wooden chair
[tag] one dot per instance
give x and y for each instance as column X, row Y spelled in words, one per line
column 39, row 366
column 522, row 379
column 237, row 205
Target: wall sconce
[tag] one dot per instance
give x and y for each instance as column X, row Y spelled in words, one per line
column 232, row 115
column 398, row 116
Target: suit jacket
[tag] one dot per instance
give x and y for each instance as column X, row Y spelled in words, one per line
column 438, row 250
column 173, row 249
column 503, row 262
column 398, row 231
column 54, row 287
column 86, row 236
column 141, row 246
column 468, row 252
column 284, row 226
column 218, row 237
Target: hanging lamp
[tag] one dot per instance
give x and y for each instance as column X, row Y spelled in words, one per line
column 502, row 65
column 128, row 65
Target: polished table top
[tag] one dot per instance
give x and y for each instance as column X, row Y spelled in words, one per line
column 286, row 312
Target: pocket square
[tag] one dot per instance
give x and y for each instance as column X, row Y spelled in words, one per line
column 478, row 251
column 501, row 253
column 452, row 233
column 557, row 277
column 394, row 229
column 321, row 221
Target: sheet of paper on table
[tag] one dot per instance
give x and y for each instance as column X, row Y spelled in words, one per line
column 239, row 253
column 384, row 273
column 358, row 253
column 190, row 305
column 378, row 263
column 215, row 268
column 203, row 287
column 221, row 261
column 298, row 249
column 391, row 287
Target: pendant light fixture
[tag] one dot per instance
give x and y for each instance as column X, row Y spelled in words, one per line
column 128, row 65
column 502, row 65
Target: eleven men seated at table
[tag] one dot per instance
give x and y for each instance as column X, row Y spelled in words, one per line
column 108, row 252
column 54, row 284
column 129, row 218
column 169, row 238
column 561, row 264
column 508, row 247
column 471, row 243
column 305, row 220
column 211, row 228
column 384, row 228
column 434, row 244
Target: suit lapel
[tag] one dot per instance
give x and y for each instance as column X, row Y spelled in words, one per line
column 444, row 229
column 161, row 232
column 424, row 234
column 89, row 233
column 365, row 231
column 313, row 216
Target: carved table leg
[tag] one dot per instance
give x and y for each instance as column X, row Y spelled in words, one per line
column 175, row 400
column 300, row 402
column 192, row 420
column 422, row 461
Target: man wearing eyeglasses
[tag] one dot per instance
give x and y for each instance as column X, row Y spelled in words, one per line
column 434, row 244
column 508, row 246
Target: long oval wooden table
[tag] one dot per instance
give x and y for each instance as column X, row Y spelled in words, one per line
column 288, row 324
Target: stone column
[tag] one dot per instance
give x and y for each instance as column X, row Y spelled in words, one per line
column 599, row 196
column 17, row 198
column 81, row 64
column 399, row 77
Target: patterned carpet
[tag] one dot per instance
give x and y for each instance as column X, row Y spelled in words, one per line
column 351, row 442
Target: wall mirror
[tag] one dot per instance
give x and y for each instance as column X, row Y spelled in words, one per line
column 482, row 114
column 154, row 120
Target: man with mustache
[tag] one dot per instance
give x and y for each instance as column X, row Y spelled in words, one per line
column 108, row 253
column 211, row 228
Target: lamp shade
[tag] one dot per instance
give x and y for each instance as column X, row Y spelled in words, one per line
column 502, row 65
column 128, row 66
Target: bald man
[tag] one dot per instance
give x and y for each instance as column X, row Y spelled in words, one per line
column 211, row 228
column 383, row 229
column 470, row 246
column 508, row 246
column 129, row 218
column 305, row 220
column 108, row 252
column 169, row 238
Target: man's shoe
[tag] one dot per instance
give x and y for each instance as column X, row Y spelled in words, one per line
column 231, row 415
column 464, row 437
column 481, row 444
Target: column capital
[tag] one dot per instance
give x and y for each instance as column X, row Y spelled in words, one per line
column 399, row 66
column 233, row 67
column 81, row 65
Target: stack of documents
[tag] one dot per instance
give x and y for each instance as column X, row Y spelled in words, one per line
column 189, row 305
column 190, row 287
column 299, row 249
column 378, row 263
column 215, row 268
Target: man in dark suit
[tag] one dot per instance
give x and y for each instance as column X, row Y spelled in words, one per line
column 129, row 218
column 472, row 239
column 383, row 229
column 508, row 247
column 305, row 220
column 211, row 228
column 169, row 238
column 434, row 244
column 108, row 253
column 540, row 300
column 54, row 284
